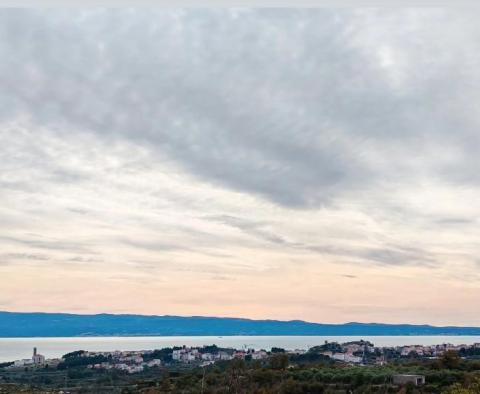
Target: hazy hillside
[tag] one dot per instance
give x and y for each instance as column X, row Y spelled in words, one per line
column 61, row 324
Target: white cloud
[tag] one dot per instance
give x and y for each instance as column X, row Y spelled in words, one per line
column 258, row 147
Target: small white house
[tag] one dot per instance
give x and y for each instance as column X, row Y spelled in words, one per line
column 416, row 380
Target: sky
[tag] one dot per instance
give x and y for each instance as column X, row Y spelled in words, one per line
column 313, row 164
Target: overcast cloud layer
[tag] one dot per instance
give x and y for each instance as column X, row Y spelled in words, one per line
column 311, row 164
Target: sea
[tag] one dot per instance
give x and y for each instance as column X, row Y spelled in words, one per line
column 17, row 348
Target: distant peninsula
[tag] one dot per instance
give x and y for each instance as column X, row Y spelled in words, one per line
column 19, row 324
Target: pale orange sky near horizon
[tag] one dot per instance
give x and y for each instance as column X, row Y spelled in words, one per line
column 319, row 165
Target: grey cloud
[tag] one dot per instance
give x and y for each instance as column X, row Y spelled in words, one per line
column 17, row 186
column 178, row 246
column 52, row 244
column 398, row 256
column 15, row 258
column 195, row 267
column 79, row 211
column 250, row 227
column 351, row 137
column 282, row 104
column 156, row 246
column 384, row 255
column 83, row 259
column 26, row 256
column 221, row 277
column 456, row 221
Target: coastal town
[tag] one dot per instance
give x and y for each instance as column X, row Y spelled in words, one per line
column 355, row 352
column 337, row 367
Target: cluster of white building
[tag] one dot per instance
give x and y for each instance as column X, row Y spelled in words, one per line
column 432, row 350
column 36, row 360
column 131, row 362
column 345, row 357
column 190, row 355
column 350, row 352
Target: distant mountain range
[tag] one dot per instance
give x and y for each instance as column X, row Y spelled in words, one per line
column 13, row 324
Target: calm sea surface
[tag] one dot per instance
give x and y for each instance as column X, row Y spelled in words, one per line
column 17, row 348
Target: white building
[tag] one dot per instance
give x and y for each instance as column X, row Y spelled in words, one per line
column 353, row 347
column 417, row 380
column 133, row 359
column 259, row 355
column 186, row 355
column 224, row 356
column 350, row 358
column 153, row 363
column 346, row 357
column 37, row 359
column 338, row 356
column 134, row 368
column 23, row 363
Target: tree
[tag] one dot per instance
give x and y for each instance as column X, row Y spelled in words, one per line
column 279, row 361
column 450, row 360
column 237, row 368
column 471, row 388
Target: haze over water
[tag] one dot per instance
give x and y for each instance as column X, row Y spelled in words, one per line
column 18, row 348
